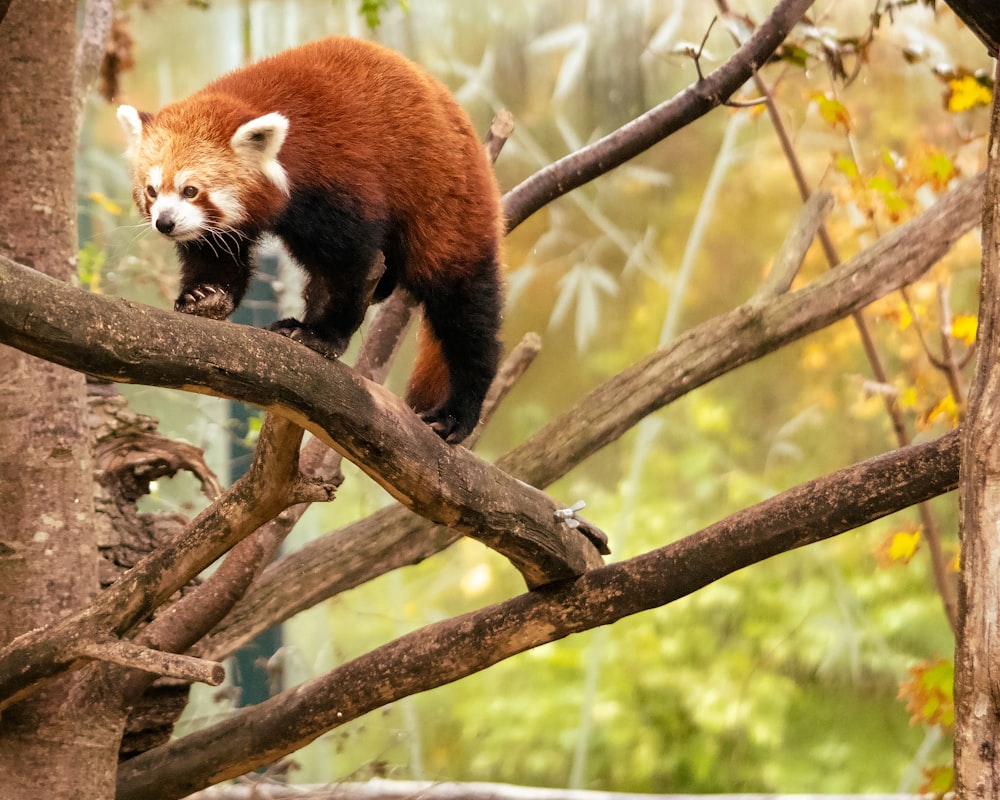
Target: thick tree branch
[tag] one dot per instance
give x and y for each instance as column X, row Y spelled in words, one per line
column 745, row 333
column 655, row 125
column 452, row 649
column 983, row 19
column 177, row 627
column 126, row 342
column 392, row 538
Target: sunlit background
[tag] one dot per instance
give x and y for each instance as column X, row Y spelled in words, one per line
column 783, row 677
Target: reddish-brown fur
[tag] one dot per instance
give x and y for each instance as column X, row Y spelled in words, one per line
column 372, row 155
column 370, row 128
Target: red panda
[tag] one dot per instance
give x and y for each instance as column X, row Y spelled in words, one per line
column 342, row 148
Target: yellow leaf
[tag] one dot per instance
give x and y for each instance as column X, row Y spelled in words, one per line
column 904, row 545
column 908, row 398
column 108, row 205
column 847, row 167
column 965, row 93
column 939, row 169
column 898, row 547
column 964, row 328
column 832, row 111
column 945, row 410
column 904, row 317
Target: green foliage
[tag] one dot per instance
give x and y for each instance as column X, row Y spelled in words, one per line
column 90, row 266
column 371, row 10
column 784, row 677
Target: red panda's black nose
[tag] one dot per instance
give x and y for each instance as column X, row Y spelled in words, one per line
column 165, row 224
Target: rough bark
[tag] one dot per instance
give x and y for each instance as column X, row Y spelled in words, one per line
column 392, row 537
column 457, row 647
column 58, row 744
column 122, row 341
column 977, row 657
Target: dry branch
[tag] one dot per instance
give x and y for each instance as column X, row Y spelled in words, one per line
column 457, row 647
column 154, row 662
column 125, row 341
column 640, row 134
column 392, row 537
column 983, row 19
column 744, row 334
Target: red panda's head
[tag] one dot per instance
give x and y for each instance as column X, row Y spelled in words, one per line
column 199, row 168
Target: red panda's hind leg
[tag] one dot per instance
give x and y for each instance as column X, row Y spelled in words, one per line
column 457, row 364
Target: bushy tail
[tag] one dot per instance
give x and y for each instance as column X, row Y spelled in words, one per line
column 429, row 385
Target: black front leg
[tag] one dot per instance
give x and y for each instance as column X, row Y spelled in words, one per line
column 330, row 237
column 215, row 274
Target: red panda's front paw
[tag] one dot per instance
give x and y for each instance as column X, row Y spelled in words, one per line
column 206, row 300
column 302, row 333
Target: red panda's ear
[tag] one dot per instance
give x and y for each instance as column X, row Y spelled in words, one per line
column 131, row 122
column 259, row 140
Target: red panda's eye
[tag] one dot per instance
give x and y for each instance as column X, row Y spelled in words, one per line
column 151, row 192
column 190, row 192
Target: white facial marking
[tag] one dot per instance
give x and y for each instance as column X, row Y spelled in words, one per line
column 175, row 218
column 230, row 208
column 156, row 177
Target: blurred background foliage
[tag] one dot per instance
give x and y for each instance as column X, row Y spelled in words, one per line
column 785, row 677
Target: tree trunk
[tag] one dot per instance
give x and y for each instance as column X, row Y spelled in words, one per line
column 55, row 744
column 977, row 657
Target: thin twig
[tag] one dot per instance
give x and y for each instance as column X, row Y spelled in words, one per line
column 932, row 534
column 950, row 365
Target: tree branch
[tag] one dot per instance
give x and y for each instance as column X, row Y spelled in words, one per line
column 177, row 627
column 263, row 492
column 983, row 19
column 91, row 44
column 127, row 342
column 744, row 334
column 640, row 134
column 402, row 539
column 392, row 538
column 457, row 647
column 154, row 662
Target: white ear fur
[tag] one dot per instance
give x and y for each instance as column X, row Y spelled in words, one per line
column 131, row 123
column 259, row 140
